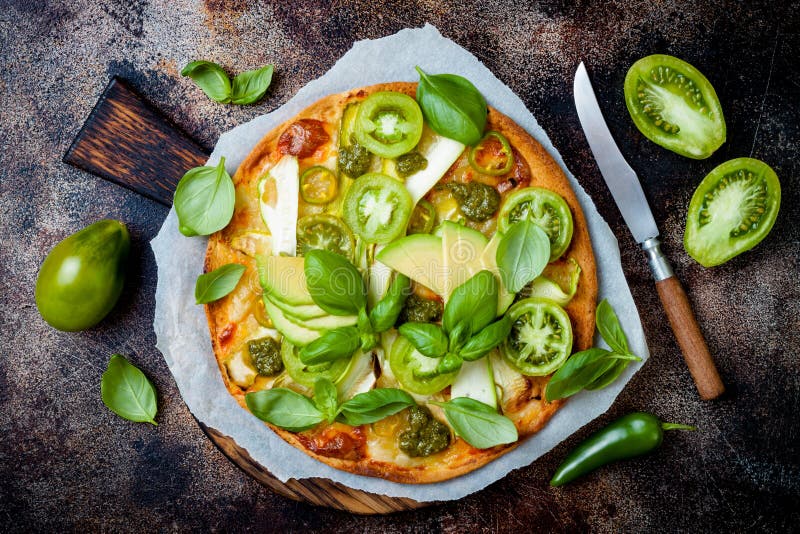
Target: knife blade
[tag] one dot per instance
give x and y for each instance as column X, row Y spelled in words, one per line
column 619, row 176
column 629, row 197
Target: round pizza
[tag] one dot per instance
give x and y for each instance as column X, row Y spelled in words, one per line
column 417, row 268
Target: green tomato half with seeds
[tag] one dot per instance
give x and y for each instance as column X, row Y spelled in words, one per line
column 675, row 106
column 82, row 277
column 732, row 210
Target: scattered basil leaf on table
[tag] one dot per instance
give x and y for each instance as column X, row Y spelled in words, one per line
column 334, row 283
column 452, row 106
column 427, row 338
column 218, row 283
column 477, row 423
column 127, row 392
column 211, row 78
column 326, row 398
column 474, row 301
column 250, row 86
column 487, row 339
column 204, row 200
column 594, row 368
column 374, row 405
column 332, row 345
column 522, row 254
column 284, row 408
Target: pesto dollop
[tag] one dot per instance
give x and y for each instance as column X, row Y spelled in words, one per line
column 266, row 355
column 353, row 160
column 425, row 435
column 477, row 201
column 420, row 310
column 408, row 164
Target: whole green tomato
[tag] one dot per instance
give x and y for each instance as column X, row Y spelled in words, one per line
column 82, row 277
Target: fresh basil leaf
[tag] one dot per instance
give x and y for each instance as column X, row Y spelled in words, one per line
column 452, row 106
column 385, row 313
column 610, row 329
column 609, row 376
column 204, row 200
column 334, row 283
column 487, row 339
column 326, row 398
column 127, row 392
column 459, row 335
column 331, row 346
column 450, row 363
column 522, row 254
column 284, row 408
column 211, row 78
column 218, row 283
column 374, row 405
column 477, row 423
column 475, row 301
column 250, row 86
column 427, row 338
column 580, row 370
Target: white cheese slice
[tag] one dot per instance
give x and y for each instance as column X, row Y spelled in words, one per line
column 441, row 153
column 278, row 195
column 475, row 380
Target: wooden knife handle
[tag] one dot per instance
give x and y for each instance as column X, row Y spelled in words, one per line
column 690, row 338
column 684, row 325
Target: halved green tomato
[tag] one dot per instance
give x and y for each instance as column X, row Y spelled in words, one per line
column 389, row 124
column 318, row 185
column 732, row 210
column 408, row 366
column 541, row 337
column 377, row 208
column 675, row 106
column 308, row 375
column 422, row 218
column 326, row 232
column 492, row 155
column 545, row 208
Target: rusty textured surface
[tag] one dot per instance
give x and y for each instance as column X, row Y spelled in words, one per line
column 68, row 463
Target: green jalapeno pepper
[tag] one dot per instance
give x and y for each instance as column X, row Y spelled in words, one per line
column 492, row 155
column 629, row 436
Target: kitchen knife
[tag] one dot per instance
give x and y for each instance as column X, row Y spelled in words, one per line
column 630, row 199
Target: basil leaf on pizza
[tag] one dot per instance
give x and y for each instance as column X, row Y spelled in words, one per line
column 284, row 408
column 477, row 423
column 452, row 105
column 427, row 338
column 218, row 283
column 374, row 405
column 326, row 398
column 335, row 285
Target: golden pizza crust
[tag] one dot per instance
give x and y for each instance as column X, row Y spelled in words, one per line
column 364, row 450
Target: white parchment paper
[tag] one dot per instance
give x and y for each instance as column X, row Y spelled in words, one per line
column 181, row 327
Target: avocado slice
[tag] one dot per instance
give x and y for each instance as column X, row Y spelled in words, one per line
column 284, row 278
column 295, row 333
column 418, row 256
column 300, row 311
column 461, row 251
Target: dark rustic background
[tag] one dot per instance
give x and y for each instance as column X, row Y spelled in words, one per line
column 67, row 463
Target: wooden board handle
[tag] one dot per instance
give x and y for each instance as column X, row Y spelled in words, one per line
column 127, row 141
column 690, row 338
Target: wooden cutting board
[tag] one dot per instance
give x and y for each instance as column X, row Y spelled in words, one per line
column 127, row 141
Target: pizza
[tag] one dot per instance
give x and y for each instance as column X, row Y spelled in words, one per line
column 380, row 374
